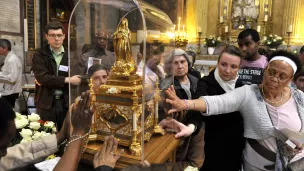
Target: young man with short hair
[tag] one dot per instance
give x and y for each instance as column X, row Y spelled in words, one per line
column 253, row 64
column 10, row 74
column 51, row 69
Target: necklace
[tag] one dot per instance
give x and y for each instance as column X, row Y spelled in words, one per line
column 282, row 95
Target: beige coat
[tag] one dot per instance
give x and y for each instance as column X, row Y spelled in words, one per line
column 23, row 154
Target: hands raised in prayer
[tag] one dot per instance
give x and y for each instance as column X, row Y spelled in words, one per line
column 76, row 128
column 171, row 125
column 81, row 114
column 106, row 155
column 78, row 119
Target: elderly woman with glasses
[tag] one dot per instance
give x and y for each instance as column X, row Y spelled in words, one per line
column 265, row 108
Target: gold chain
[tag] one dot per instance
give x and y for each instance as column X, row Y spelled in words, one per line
column 282, row 95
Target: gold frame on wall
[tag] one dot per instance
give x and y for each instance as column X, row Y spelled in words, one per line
column 34, row 22
column 226, row 11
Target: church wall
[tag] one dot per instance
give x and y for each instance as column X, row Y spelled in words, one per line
column 301, row 21
column 277, row 17
column 212, row 17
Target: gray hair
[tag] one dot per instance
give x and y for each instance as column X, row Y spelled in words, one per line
column 179, row 52
column 4, row 43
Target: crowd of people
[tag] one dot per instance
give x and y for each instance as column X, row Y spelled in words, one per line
column 225, row 121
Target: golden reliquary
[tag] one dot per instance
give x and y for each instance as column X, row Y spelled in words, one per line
column 119, row 103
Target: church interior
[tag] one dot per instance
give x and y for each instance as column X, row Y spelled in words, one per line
column 135, row 44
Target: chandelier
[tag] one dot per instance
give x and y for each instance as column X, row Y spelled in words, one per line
column 179, row 34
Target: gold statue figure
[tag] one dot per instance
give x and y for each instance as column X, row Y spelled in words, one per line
column 124, row 64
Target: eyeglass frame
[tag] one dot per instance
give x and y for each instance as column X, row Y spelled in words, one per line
column 59, row 36
column 278, row 77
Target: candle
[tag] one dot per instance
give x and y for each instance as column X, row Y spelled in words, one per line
column 134, row 119
column 183, row 28
column 266, row 18
column 179, row 19
column 226, row 29
column 259, row 29
column 199, row 29
column 156, row 109
column 289, row 29
column 221, row 19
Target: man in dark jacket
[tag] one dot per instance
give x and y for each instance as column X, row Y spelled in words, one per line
column 51, row 69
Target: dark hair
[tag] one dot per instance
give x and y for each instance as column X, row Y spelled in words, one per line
column 7, row 115
column 232, row 50
column 4, row 43
column 96, row 67
column 54, row 25
column 263, row 51
column 153, row 167
column 288, row 55
column 302, row 50
column 250, row 32
column 193, row 54
column 299, row 74
column 151, row 49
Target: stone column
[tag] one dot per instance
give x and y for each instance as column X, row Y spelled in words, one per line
column 291, row 17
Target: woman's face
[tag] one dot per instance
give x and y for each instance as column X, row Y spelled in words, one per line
column 99, row 78
column 228, row 66
column 277, row 75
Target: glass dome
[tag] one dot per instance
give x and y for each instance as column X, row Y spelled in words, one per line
column 119, row 48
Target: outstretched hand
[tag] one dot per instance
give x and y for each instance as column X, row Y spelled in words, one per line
column 106, row 154
column 171, row 125
column 81, row 114
column 177, row 103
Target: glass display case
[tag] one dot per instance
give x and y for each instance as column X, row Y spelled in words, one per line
column 119, row 48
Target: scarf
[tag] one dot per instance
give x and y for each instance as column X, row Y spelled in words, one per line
column 226, row 85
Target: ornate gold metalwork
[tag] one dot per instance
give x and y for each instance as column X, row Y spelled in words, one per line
column 157, row 129
column 135, row 147
column 124, row 64
column 148, row 136
column 119, row 102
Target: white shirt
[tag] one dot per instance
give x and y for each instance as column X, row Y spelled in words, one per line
column 11, row 75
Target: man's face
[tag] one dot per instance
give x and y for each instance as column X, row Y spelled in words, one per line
column 101, row 42
column 300, row 83
column 101, row 39
column 3, row 51
column 153, row 61
column 7, row 138
column 55, row 38
column 99, row 78
column 180, row 66
column 248, row 46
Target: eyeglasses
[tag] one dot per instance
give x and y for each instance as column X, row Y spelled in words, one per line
column 273, row 73
column 59, row 36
